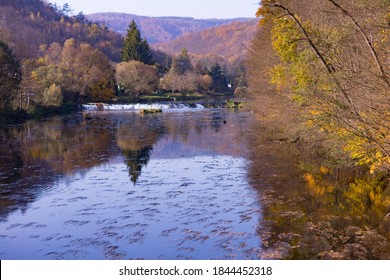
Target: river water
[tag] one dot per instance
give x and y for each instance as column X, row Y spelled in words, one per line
column 119, row 185
column 188, row 183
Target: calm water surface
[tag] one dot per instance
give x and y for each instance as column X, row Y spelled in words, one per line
column 123, row 186
column 184, row 184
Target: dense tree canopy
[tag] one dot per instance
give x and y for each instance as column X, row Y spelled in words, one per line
column 181, row 64
column 10, row 75
column 332, row 58
column 137, row 77
column 79, row 70
column 26, row 25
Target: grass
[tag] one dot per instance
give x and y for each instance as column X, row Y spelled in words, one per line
column 170, row 97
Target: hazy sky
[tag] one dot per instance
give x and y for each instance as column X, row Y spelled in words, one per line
column 184, row 8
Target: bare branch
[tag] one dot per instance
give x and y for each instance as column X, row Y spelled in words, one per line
column 366, row 39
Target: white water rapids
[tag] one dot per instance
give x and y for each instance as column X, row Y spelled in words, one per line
column 138, row 106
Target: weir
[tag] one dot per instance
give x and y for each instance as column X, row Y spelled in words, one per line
column 138, row 106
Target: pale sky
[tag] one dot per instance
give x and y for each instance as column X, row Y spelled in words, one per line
column 183, row 8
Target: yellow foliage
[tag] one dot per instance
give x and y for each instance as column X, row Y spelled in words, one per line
column 345, row 99
column 362, row 151
column 315, row 188
column 324, row 170
column 367, row 194
column 279, row 75
column 41, row 61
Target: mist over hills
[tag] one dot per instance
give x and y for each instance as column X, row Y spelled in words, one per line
column 159, row 29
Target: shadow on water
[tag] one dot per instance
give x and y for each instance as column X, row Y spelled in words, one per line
column 36, row 155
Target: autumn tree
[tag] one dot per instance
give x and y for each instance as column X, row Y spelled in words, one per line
column 10, row 76
column 189, row 82
column 333, row 59
column 205, row 83
column 80, row 70
column 137, row 77
column 181, row 64
column 180, row 76
column 26, row 25
column 134, row 47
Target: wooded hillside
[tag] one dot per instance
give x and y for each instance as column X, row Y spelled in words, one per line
column 227, row 41
column 158, row 29
column 26, row 25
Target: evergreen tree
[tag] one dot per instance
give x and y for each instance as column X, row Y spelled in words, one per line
column 219, row 79
column 10, row 75
column 136, row 48
column 67, row 10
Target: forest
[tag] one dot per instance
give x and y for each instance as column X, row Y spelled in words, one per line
column 300, row 170
column 319, row 71
column 159, row 29
column 55, row 60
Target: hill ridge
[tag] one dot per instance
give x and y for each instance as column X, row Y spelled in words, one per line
column 158, row 29
column 226, row 41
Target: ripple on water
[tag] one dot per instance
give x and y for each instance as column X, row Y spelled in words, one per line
column 188, row 208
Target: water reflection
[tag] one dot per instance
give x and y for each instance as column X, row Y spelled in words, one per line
column 313, row 211
column 136, row 140
column 136, row 160
column 67, row 187
column 180, row 185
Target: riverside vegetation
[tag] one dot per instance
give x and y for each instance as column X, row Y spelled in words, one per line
column 319, row 79
column 317, row 76
column 71, row 60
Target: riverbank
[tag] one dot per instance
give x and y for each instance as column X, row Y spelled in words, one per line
column 314, row 212
column 191, row 100
column 39, row 112
column 315, row 207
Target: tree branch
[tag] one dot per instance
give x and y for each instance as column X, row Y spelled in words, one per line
column 311, row 43
column 366, row 39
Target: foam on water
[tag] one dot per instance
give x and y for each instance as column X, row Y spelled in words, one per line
column 138, row 106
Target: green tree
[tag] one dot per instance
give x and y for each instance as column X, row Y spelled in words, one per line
column 136, row 48
column 10, row 75
column 219, row 79
column 66, row 9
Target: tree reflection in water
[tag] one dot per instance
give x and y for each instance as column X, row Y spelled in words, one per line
column 136, row 160
column 309, row 210
column 312, row 211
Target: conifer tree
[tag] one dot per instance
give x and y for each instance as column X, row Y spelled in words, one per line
column 219, row 79
column 134, row 47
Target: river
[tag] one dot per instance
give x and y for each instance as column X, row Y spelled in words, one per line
column 188, row 183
